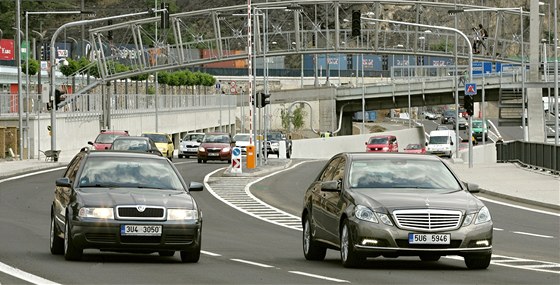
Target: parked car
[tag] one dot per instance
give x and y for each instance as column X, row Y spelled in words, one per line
column 163, row 142
column 461, row 121
column 273, row 140
column 215, row 146
column 105, row 138
column 382, row 143
column 447, row 116
column 120, row 201
column 135, row 143
column 188, row 146
column 391, row 205
column 415, row 148
column 242, row 141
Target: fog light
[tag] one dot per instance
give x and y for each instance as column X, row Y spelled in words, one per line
column 369, row 242
column 482, row 243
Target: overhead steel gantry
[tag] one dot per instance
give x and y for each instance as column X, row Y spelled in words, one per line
column 299, row 27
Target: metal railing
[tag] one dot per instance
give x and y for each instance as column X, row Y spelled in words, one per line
column 536, row 155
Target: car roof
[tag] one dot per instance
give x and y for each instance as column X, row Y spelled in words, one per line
column 122, row 154
column 217, row 133
column 113, row 132
column 132, row 138
column 388, row 155
column 154, row 133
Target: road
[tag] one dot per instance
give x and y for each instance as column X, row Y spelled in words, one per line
column 241, row 249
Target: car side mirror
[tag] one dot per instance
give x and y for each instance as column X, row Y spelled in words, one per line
column 196, row 186
column 63, row 182
column 426, row 143
column 330, row 186
column 90, row 143
column 451, row 143
column 473, row 188
column 198, row 141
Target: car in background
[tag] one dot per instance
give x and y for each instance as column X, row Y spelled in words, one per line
column 273, row 140
column 391, row 205
column 215, row 146
column 135, row 143
column 430, row 116
column 242, row 140
column 461, row 121
column 105, row 138
column 124, row 201
column 188, row 146
column 480, row 130
column 164, row 143
column 414, row 148
column 447, row 116
column 382, row 143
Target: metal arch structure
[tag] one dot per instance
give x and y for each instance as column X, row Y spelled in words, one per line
column 296, row 27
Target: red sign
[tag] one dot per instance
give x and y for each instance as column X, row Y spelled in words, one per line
column 7, row 50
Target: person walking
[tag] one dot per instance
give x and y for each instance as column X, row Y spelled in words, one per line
column 483, row 36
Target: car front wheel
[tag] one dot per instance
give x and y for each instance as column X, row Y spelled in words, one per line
column 193, row 255
column 57, row 243
column 350, row 258
column 71, row 252
column 479, row 261
column 311, row 250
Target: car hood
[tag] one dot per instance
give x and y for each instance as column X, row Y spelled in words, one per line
column 394, row 199
column 190, row 143
column 102, row 146
column 214, row 145
column 241, row 143
column 134, row 196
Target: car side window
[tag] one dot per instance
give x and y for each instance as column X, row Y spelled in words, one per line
column 339, row 171
column 73, row 168
column 330, row 170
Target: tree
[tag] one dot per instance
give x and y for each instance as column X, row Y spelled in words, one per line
column 33, row 67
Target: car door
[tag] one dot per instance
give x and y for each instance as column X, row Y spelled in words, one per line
column 62, row 195
column 321, row 202
column 333, row 204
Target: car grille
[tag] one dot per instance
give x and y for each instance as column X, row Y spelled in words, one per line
column 191, row 145
column 139, row 212
column 213, row 150
column 101, row 237
column 430, row 220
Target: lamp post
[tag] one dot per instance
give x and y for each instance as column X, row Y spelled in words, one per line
column 40, row 92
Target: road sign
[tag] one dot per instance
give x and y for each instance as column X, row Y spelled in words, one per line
column 470, row 89
column 236, row 160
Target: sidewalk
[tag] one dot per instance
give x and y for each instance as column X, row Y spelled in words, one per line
column 506, row 180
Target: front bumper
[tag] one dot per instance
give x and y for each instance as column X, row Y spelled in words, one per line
column 188, row 150
column 106, row 235
column 392, row 241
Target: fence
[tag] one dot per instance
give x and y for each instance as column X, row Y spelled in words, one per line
column 538, row 155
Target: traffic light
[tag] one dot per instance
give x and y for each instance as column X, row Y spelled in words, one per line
column 384, row 62
column 164, row 15
column 262, row 99
column 356, row 23
column 468, row 104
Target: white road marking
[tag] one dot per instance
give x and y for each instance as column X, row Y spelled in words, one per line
column 319, row 276
column 252, row 263
column 534, row 235
column 210, row 253
column 24, row 275
column 498, row 229
column 32, row 173
column 519, row 207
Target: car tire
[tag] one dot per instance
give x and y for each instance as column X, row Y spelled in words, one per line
column 429, row 257
column 170, row 157
column 56, row 242
column 187, row 156
column 350, row 258
column 199, row 160
column 229, row 161
column 289, row 154
column 193, row 255
column 71, row 251
column 205, row 161
column 180, row 156
column 478, row 261
column 311, row 250
column 166, row 253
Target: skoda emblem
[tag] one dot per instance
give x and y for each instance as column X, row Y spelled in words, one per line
column 141, row 208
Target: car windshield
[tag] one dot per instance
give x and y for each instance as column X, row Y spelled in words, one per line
column 106, row 138
column 377, row 141
column 449, row 113
column 130, row 145
column 413, row 146
column 477, row 124
column 216, row 139
column 115, row 172
column 438, row 140
column 241, row 137
column 157, row 138
column 402, row 173
column 274, row 136
column 193, row 137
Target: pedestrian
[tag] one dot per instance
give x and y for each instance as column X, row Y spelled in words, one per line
column 476, row 41
column 483, row 35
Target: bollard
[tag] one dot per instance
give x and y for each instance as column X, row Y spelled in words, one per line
column 251, row 157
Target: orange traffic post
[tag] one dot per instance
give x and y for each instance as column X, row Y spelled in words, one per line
column 251, row 157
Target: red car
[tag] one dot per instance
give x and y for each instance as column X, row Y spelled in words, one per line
column 215, row 146
column 382, row 143
column 105, row 139
column 415, row 148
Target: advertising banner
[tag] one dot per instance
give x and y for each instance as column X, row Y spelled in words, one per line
column 7, row 50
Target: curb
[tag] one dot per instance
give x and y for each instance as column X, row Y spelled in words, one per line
column 265, row 170
column 518, row 199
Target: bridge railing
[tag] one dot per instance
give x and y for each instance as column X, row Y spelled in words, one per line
column 536, row 155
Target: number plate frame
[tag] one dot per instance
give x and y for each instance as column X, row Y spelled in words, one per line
column 141, row 230
column 417, row 238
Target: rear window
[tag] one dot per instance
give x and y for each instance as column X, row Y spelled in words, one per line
column 158, row 138
column 106, row 138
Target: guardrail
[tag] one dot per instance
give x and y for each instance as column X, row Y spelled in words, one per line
column 535, row 155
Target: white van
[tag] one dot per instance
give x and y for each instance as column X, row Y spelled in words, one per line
column 441, row 143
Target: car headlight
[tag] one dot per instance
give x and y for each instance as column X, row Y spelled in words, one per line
column 201, row 149
column 468, row 219
column 385, row 148
column 181, row 214
column 365, row 214
column 385, row 219
column 97, row 213
column 226, row 149
column 483, row 216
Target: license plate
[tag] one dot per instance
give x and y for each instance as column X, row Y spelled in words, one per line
column 213, row 154
column 192, row 149
column 140, row 230
column 429, row 238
